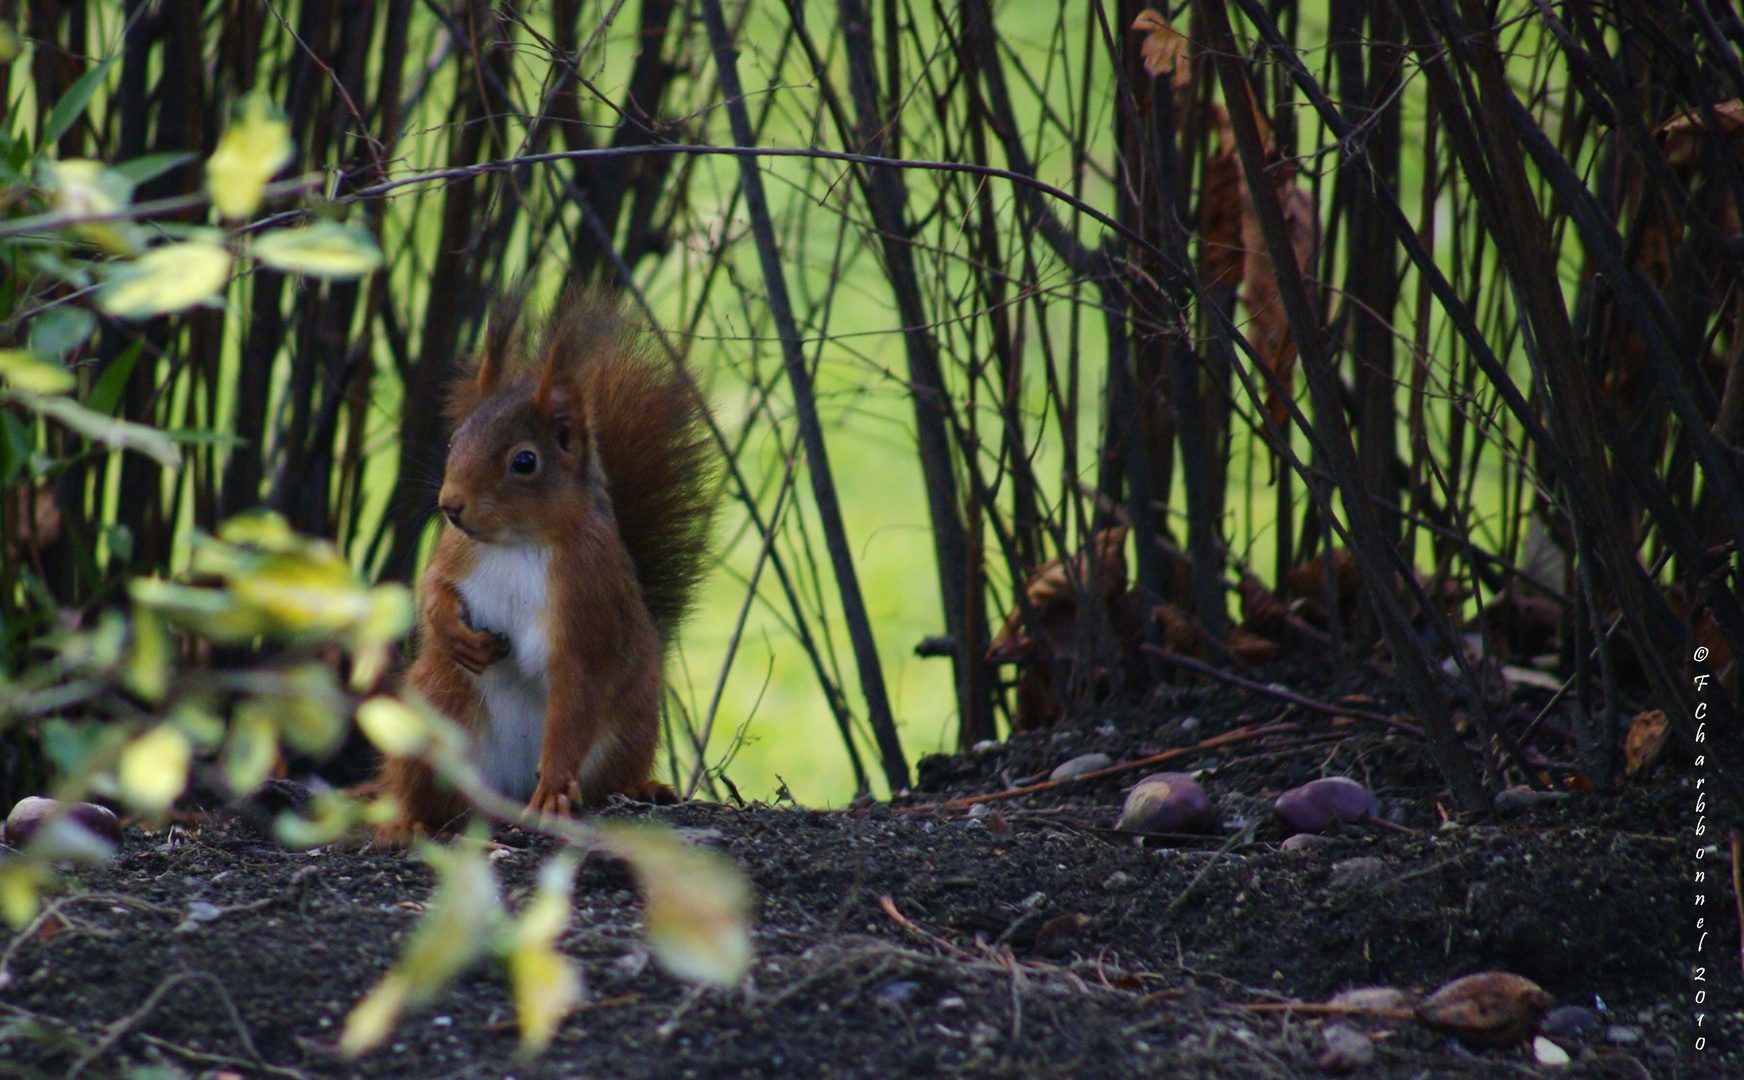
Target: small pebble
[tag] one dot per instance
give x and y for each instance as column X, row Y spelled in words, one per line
column 978, row 811
column 201, row 911
column 1623, row 1034
column 1548, row 1053
column 1303, row 842
column 897, row 992
column 1117, row 881
column 1078, row 766
column 1572, row 1024
column 1347, row 1049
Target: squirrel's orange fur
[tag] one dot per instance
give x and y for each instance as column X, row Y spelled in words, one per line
column 578, row 497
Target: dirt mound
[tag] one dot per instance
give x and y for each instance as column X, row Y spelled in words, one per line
column 1016, row 936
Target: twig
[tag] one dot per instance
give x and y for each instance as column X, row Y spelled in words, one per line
column 1305, row 1008
column 220, row 1059
column 1240, row 836
column 1226, row 739
column 118, row 1030
column 889, row 907
column 670, row 1024
column 1282, row 695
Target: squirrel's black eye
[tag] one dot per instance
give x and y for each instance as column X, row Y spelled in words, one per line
column 524, row 463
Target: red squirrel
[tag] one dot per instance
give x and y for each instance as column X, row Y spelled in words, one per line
column 577, row 497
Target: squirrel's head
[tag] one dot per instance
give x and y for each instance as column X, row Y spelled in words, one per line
column 521, row 463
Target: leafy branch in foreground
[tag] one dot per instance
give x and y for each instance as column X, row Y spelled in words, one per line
column 263, row 583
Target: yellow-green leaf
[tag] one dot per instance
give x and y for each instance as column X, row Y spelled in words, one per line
column 547, row 984
column 21, row 883
column 255, row 146
column 463, row 914
column 265, row 530
column 395, row 729
column 166, row 279
column 154, row 769
column 112, row 433
column 547, row 989
column 11, row 45
column 325, row 249
column 212, row 612
column 83, row 189
column 371, row 1019
column 252, row 748
column 390, row 615
column 328, row 817
column 148, row 663
column 310, row 711
column 33, row 374
column 698, row 903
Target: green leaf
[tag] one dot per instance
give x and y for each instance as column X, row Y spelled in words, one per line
column 16, row 443
column 113, row 433
column 151, row 166
column 61, row 329
column 202, row 437
column 106, row 395
column 72, row 104
column 325, row 249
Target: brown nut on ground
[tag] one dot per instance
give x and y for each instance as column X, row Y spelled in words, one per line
column 1316, row 806
column 1489, row 1009
column 1167, row 803
column 32, row 812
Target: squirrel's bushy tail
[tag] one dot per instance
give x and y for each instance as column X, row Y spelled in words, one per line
column 646, row 421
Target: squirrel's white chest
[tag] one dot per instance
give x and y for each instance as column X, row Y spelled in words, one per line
column 508, row 592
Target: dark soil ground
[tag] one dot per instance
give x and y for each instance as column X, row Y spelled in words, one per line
column 1590, row 896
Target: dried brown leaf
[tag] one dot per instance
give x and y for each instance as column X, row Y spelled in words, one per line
column 1680, row 136
column 1164, row 48
column 1647, row 737
column 1489, row 1009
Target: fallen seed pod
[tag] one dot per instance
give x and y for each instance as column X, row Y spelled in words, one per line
column 1315, row 807
column 32, row 813
column 1167, row 803
column 1489, row 1009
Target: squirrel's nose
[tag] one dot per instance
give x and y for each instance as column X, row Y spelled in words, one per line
column 452, row 510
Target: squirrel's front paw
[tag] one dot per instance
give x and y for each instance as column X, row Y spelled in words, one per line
column 551, row 801
column 475, row 650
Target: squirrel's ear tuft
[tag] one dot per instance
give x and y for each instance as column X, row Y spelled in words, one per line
column 502, row 338
column 561, row 403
